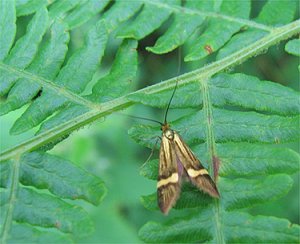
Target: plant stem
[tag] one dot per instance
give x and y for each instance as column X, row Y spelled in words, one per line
column 14, row 182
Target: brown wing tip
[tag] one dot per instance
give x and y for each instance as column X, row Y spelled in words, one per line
column 167, row 196
column 206, row 184
column 164, row 209
column 211, row 190
column 214, row 193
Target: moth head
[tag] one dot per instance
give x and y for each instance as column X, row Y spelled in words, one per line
column 169, row 134
column 165, row 127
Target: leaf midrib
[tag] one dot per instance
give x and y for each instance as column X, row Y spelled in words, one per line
column 100, row 110
column 186, row 10
column 7, row 223
column 211, row 148
column 57, row 89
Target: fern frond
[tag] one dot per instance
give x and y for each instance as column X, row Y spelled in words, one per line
column 24, row 207
column 40, row 70
column 293, row 47
column 234, row 149
column 238, row 227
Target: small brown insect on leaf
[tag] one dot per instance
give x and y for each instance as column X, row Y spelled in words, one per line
column 209, row 49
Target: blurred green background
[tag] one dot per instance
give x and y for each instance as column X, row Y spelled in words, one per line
column 105, row 149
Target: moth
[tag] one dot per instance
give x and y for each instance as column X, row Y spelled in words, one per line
column 177, row 161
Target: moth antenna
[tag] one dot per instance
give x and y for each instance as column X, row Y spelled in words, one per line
column 137, row 117
column 178, row 72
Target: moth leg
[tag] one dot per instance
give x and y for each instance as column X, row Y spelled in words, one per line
column 152, row 151
column 149, row 140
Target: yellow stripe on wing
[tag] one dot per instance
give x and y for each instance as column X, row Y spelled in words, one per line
column 194, row 173
column 172, row 179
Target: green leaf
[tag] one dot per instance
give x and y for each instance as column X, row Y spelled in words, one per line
column 230, row 89
column 218, row 33
column 293, row 47
column 60, row 8
column 124, row 68
column 146, row 22
column 251, row 126
column 188, row 22
column 74, row 76
column 45, row 171
column 7, row 27
column 186, row 230
column 277, row 12
column 30, row 6
column 237, row 227
column 243, row 193
column 123, row 71
column 183, row 97
column 267, row 229
column 25, row 233
column 239, row 41
column 46, row 64
column 120, row 12
column 39, row 209
column 235, row 90
column 190, row 197
column 84, row 11
column 248, row 159
column 229, row 126
column 25, row 49
column 69, row 112
column 273, row 13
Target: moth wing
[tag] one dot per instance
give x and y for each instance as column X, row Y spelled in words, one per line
column 198, row 175
column 168, row 185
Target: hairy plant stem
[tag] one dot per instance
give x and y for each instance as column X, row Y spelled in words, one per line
column 211, row 148
column 97, row 111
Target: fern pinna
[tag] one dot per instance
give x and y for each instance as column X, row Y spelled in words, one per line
column 237, row 124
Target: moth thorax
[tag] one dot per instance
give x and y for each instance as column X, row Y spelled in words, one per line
column 169, row 134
